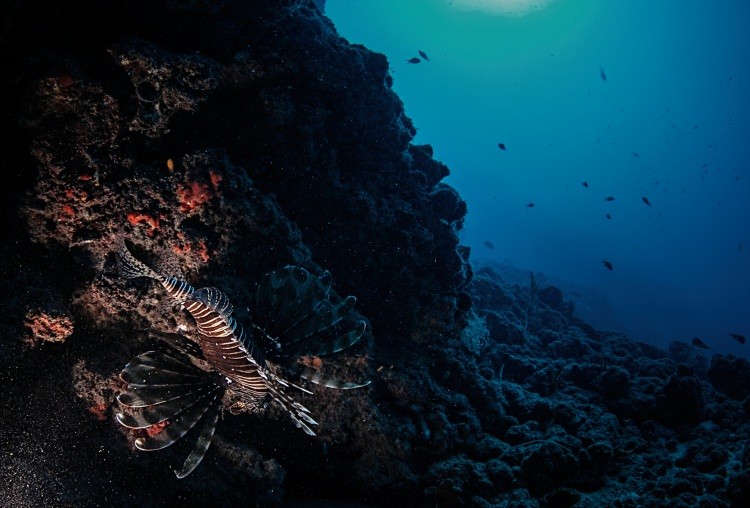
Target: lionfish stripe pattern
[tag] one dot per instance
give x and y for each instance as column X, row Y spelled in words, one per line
column 226, row 346
column 296, row 314
column 131, row 268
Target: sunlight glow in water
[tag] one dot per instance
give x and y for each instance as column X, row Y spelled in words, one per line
column 510, row 8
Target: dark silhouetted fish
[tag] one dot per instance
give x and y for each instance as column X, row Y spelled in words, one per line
column 699, row 343
column 488, row 244
column 501, row 146
column 609, row 216
column 423, row 55
column 739, row 338
column 585, row 184
column 530, row 205
column 295, row 314
column 645, row 200
column 602, row 74
column 608, row 265
column 636, row 155
column 609, row 198
column 413, row 60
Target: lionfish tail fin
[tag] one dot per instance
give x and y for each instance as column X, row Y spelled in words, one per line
column 129, row 267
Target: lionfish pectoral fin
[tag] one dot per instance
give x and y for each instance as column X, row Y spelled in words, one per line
column 322, row 317
column 178, row 342
column 203, row 442
column 286, row 295
column 165, row 361
column 145, row 416
column 146, row 396
column 176, row 427
column 166, row 396
column 147, row 375
column 322, row 345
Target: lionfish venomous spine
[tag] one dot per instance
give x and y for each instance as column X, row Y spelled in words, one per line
column 295, row 313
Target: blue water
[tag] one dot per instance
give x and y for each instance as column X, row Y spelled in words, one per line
column 670, row 123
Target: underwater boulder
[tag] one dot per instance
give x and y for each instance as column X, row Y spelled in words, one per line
column 730, row 375
column 552, row 297
column 683, row 396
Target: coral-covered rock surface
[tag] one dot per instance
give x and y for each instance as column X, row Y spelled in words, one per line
column 225, row 139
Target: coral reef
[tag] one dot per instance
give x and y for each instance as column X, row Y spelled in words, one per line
column 227, row 139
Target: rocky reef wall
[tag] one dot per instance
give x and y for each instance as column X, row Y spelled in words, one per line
column 221, row 140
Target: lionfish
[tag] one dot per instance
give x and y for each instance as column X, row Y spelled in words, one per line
column 295, row 314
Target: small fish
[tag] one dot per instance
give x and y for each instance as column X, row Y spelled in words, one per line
column 530, row 205
column 609, row 216
column 699, row 343
column 488, row 244
column 609, row 198
column 636, row 155
column 602, row 74
column 501, row 146
column 585, row 184
column 739, row 338
column 423, row 55
column 413, row 60
column 608, row 265
column 645, row 200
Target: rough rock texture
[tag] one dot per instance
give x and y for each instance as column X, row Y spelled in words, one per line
column 594, row 419
column 224, row 139
column 221, row 140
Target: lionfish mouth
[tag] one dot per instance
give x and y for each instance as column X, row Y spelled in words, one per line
column 294, row 314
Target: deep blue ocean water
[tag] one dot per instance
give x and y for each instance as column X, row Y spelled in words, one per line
column 670, row 123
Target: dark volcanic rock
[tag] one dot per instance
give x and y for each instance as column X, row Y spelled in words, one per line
column 684, row 396
column 222, row 140
column 730, row 375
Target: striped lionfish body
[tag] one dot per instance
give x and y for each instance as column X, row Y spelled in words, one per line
column 166, row 395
